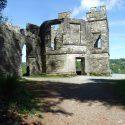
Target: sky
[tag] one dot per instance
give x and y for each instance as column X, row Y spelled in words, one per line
column 36, row 11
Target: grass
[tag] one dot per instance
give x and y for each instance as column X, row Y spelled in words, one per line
column 16, row 96
column 52, row 75
column 119, row 89
column 17, row 100
column 99, row 74
column 23, row 66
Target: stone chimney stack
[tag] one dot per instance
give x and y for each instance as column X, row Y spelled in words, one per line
column 64, row 15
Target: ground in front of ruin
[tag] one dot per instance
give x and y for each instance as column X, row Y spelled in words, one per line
column 80, row 100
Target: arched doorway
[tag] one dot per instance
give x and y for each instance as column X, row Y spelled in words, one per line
column 23, row 61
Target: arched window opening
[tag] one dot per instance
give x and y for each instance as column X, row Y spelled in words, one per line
column 23, row 62
column 98, row 43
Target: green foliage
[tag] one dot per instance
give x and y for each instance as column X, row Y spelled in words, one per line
column 52, row 75
column 117, row 66
column 78, row 65
column 23, row 66
column 17, row 101
column 8, row 85
column 16, row 96
column 99, row 74
column 3, row 4
column 3, row 18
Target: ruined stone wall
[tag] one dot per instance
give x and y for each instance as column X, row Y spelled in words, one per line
column 33, row 52
column 62, row 63
column 76, row 38
column 12, row 40
column 50, row 50
column 69, row 43
column 97, row 27
column 10, row 50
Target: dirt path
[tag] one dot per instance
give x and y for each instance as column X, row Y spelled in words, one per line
column 80, row 101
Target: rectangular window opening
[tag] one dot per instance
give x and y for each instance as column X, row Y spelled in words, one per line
column 54, row 31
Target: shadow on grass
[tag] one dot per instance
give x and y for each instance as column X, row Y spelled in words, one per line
column 17, row 102
column 37, row 96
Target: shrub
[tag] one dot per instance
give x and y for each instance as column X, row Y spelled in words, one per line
column 8, row 85
column 99, row 74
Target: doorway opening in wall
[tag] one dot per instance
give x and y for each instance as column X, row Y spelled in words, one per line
column 23, row 62
column 80, row 66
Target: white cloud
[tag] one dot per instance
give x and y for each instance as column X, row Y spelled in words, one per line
column 87, row 4
column 113, row 3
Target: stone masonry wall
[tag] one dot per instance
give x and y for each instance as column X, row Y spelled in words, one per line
column 33, row 44
column 50, row 50
column 97, row 26
column 78, row 39
column 12, row 40
column 10, row 50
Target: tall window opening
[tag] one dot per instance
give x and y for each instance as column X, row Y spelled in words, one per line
column 54, row 29
column 23, row 63
column 98, row 43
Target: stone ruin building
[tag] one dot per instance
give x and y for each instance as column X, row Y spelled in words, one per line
column 57, row 45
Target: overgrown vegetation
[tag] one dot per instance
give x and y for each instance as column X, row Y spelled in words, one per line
column 3, row 4
column 99, row 74
column 23, row 66
column 16, row 97
column 117, row 65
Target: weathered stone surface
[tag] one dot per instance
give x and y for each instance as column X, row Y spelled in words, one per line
column 56, row 50
column 77, row 39
column 12, row 40
column 64, row 15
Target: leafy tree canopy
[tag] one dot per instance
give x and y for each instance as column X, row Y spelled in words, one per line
column 117, row 65
column 3, row 4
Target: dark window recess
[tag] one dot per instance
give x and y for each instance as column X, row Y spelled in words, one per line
column 98, row 43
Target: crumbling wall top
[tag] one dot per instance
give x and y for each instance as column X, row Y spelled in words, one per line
column 97, row 14
column 32, row 28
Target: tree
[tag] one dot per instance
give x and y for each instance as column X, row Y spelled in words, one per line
column 3, row 4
